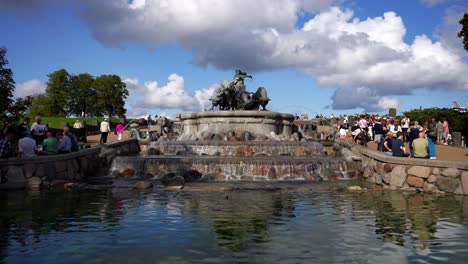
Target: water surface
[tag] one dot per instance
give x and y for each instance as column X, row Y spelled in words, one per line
column 305, row 223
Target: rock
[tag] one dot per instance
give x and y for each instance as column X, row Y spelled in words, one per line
column 70, row 185
column 13, row 179
column 153, row 151
column 398, row 176
column 429, row 187
column 451, row 172
column 34, row 182
column 354, row 188
column 386, row 178
column 419, row 171
column 464, row 180
column 248, row 136
column 436, row 171
column 447, row 184
column 142, row 185
column 192, row 175
column 432, row 179
column 171, row 179
column 415, row 181
column 29, row 169
column 388, row 168
column 58, row 183
column 127, row 173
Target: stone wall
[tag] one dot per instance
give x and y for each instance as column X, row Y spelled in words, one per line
column 53, row 169
column 409, row 174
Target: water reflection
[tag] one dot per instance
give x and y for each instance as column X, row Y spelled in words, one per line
column 306, row 225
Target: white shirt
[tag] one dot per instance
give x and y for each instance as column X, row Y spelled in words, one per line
column 27, row 146
column 405, row 122
column 105, row 126
column 39, row 129
column 362, row 123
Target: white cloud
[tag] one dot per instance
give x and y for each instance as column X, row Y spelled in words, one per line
column 362, row 97
column 433, row 2
column 31, row 87
column 151, row 95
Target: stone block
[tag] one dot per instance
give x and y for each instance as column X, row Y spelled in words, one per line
column 386, row 178
column 40, row 171
column 14, row 179
column 447, row 184
column 29, row 169
column 432, row 179
column 429, row 187
column 419, row 171
column 464, row 181
column 60, row 166
column 75, row 165
column 142, row 185
column 34, row 183
column 388, row 168
column 398, row 176
column 451, row 172
column 436, row 171
column 415, row 181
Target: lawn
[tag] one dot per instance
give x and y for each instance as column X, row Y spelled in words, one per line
column 55, row 122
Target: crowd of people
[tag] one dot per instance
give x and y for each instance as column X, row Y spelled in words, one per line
column 391, row 134
column 27, row 142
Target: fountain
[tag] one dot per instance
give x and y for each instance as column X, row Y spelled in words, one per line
column 235, row 140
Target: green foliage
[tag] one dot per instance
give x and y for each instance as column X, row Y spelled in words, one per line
column 56, row 122
column 111, row 92
column 457, row 121
column 82, row 96
column 10, row 109
column 464, row 31
column 58, row 92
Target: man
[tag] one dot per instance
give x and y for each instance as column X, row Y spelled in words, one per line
column 6, row 145
column 65, row 143
column 50, row 144
column 148, row 121
column 421, row 146
column 74, row 142
column 398, row 146
column 105, row 129
column 26, row 147
column 25, row 128
column 379, row 134
column 405, row 123
column 39, row 130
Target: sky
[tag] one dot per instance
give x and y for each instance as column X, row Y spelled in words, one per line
column 312, row 56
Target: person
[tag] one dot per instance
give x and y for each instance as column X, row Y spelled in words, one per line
column 395, row 128
column 431, row 139
column 105, row 129
column 405, row 123
column 439, row 132
column 379, row 135
column 119, row 130
column 355, row 132
column 27, row 148
column 50, row 144
column 74, row 142
column 7, row 146
column 421, row 146
column 413, row 134
column 387, row 145
column 445, row 128
column 77, row 124
column 343, row 128
column 25, row 128
column 65, row 143
column 148, row 121
column 39, row 130
column 398, row 146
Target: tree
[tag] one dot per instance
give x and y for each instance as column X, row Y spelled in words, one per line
column 7, row 86
column 464, row 31
column 57, row 92
column 82, row 94
column 39, row 105
column 111, row 92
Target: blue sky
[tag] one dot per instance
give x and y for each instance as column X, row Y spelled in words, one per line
column 320, row 56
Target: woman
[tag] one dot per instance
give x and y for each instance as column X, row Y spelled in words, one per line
column 119, row 130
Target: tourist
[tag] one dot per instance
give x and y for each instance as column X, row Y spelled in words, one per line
column 431, row 139
column 7, row 145
column 387, row 145
column 439, row 131
column 405, row 123
column 343, row 128
column 64, row 143
column 445, row 128
column 119, row 130
column 421, row 146
column 79, row 130
column 363, row 123
column 27, row 148
column 355, row 131
column 398, row 146
column 148, row 121
column 50, row 144
column 74, row 142
column 395, row 128
column 379, row 135
column 39, row 130
column 105, row 129
column 413, row 134
column 25, row 128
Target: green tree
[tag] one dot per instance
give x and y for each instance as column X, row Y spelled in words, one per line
column 58, row 92
column 464, row 31
column 7, row 86
column 39, row 105
column 82, row 94
column 111, row 92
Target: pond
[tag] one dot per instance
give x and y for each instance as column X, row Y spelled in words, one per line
column 233, row 222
